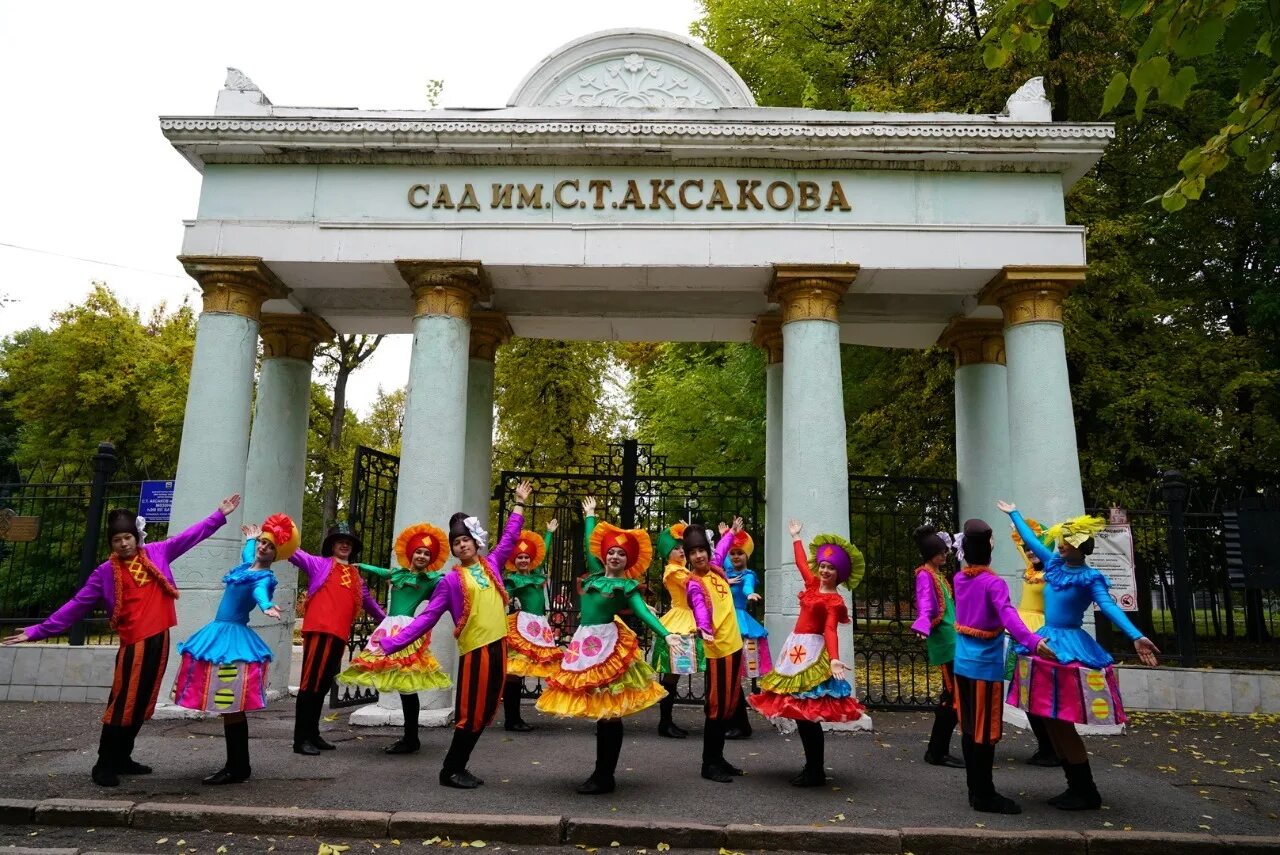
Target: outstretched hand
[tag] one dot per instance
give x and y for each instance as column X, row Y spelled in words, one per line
column 250, row 531
column 1147, row 651
column 553, row 524
column 1007, row 507
column 737, row 524
column 273, row 612
column 16, row 638
column 722, row 527
column 754, row 598
column 523, row 489
column 794, row 527
column 838, row 669
column 229, row 504
column 589, row 506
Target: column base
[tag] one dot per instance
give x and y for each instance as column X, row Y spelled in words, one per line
column 862, row 725
column 376, row 715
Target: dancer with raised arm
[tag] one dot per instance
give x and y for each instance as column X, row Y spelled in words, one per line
column 532, row 650
column 224, row 663
column 1031, row 609
column 474, row 596
column 756, row 660
column 678, row 620
column 936, row 623
column 136, row 586
column 808, row 684
column 1078, row 685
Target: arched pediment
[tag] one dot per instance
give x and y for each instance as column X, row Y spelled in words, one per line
column 633, row 69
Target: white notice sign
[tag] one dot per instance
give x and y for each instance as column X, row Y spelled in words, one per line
column 1113, row 555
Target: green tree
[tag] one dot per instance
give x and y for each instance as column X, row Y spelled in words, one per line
column 339, row 359
column 385, row 422
column 100, row 371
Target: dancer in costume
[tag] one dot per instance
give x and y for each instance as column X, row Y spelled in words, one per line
column 137, row 587
column 678, row 620
column 1078, row 685
column 335, row 592
column 983, row 614
column 936, row 624
column 473, row 594
column 224, row 664
column 603, row 675
column 421, row 551
column 531, row 639
column 712, row 604
column 808, row 685
column 756, row 660
column 1031, row 610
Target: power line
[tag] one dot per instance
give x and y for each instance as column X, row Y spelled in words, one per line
column 89, row 260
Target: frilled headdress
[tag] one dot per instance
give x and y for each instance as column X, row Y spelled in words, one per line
column 633, row 541
column 282, row 531
column 840, row 554
column 422, row 535
column 531, row 544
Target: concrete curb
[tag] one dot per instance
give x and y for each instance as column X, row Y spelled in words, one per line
column 556, row 830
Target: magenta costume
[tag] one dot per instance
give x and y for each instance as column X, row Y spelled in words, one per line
column 317, row 570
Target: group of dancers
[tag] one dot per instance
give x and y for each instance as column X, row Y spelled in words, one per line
column 1053, row 668
column 497, row 600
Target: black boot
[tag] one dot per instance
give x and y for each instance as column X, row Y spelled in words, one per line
column 1082, row 793
column 109, row 751
column 126, row 765
column 407, row 744
column 740, row 725
column 511, row 718
column 608, row 748
column 304, row 709
column 713, row 753
column 237, row 769
column 453, row 772
column 982, row 789
column 939, row 751
column 1044, row 754
column 666, row 724
column 814, row 773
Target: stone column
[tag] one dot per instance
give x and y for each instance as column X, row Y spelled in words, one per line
column 815, row 458
column 277, row 467
column 779, row 569
column 1043, row 461
column 433, row 442
column 982, row 432
column 489, row 330
column 215, row 427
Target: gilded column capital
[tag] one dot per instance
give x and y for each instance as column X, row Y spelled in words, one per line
column 444, row 287
column 236, row 285
column 293, row 336
column 1032, row 294
column 975, row 341
column 810, row 292
column 489, row 331
column 767, row 335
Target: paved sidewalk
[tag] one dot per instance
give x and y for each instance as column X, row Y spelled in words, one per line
column 1180, row 773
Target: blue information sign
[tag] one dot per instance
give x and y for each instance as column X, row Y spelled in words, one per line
column 156, row 501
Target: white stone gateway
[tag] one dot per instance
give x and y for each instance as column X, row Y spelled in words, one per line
column 630, row 190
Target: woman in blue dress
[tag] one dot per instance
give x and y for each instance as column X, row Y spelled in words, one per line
column 756, row 661
column 224, row 664
column 1081, row 686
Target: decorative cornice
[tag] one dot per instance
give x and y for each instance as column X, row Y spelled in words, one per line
column 975, row 341
column 489, row 331
column 1030, row 294
column 810, row 292
column 767, row 335
column 444, row 287
column 236, row 285
column 293, row 336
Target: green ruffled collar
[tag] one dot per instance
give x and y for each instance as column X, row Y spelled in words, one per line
column 402, row 578
column 609, row 586
column 535, row 579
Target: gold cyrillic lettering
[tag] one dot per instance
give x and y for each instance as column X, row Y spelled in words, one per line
column 720, row 197
column 632, row 197
column 425, row 190
column 660, row 186
column 469, row 201
column 837, row 199
column 502, row 195
column 598, row 186
column 443, row 198
column 530, row 197
column 810, row 196
column 568, row 182
column 788, row 198
column 684, row 200
column 747, row 193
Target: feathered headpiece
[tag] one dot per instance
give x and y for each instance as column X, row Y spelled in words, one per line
column 635, row 542
column 421, row 535
column 282, row 531
column 531, row 544
column 670, row 538
column 841, row 554
column 1076, row 531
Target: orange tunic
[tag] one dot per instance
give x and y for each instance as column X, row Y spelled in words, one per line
column 334, row 607
column 146, row 608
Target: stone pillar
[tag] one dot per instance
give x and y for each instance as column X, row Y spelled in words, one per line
column 215, row 427
column 1043, row 462
column 982, row 432
column 489, row 330
column 433, row 441
column 815, row 459
column 779, row 569
column 277, row 469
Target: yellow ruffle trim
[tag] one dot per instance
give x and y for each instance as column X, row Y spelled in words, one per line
column 624, row 654
column 679, row 620
column 519, row 665
column 806, row 680
column 413, row 669
column 637, row 689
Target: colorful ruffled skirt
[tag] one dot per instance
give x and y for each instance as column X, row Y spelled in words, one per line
column 755, row 662
column 801, row 686
column 601, row 675
column 223, row 669
column 531, row 646
column 1067, row 692
column 412, row 669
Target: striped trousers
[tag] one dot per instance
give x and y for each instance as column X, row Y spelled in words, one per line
column 980, row 705
column 724, row 689
column 139, row 670
column 481, row 673
column 321, row 659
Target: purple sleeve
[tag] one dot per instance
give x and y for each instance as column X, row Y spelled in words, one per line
column 506, row 544
column 75, row 609
column 172, row 547
column 698, row 602
column 998, row 591
column 425, row 622
column 925, row 603
column 722, row 549
column 370, row 604
column 307, row 563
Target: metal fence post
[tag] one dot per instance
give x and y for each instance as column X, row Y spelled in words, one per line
column 630, row 467
column 1174, row 490
column 104, row 466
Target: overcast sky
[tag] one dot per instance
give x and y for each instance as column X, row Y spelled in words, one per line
column 90, row 189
